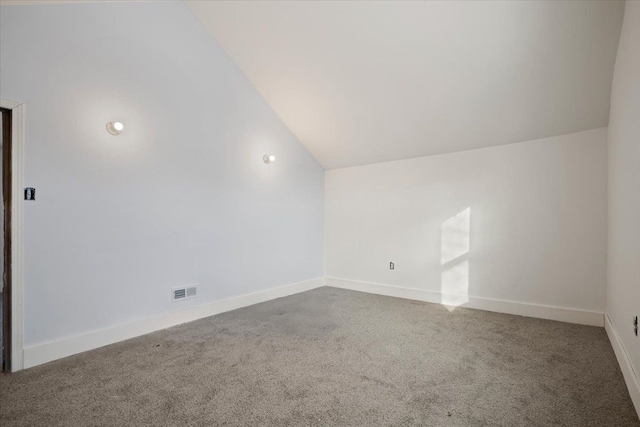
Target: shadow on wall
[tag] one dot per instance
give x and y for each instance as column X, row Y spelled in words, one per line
column 455, row 243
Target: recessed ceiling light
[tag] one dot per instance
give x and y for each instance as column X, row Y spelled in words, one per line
column 115, row 128
column 269, row 158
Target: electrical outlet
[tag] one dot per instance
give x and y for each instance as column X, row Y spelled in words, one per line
column 391, row 266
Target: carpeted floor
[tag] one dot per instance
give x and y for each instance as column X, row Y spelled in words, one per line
column 332, row 357
column 1, row 327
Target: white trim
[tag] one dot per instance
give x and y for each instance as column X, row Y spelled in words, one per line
column 43, row 353
column 17, row 263
column 563, row 314
column 630, row 376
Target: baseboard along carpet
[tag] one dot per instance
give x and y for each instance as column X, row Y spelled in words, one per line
column 334, row 357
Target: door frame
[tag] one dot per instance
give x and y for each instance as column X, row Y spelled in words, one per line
column 16, row 278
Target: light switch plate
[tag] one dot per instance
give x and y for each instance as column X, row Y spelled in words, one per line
column 29, row 193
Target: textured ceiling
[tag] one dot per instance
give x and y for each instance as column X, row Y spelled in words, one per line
column 365, row 82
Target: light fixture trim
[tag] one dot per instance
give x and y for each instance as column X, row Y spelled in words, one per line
column 268, row 158
column 115, row 128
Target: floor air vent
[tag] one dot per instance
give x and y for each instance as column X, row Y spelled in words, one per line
column 178, row 294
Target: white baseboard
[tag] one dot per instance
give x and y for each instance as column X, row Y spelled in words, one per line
column 47, row 352
column 43, row 353
column 630, row 376
column 561, row 314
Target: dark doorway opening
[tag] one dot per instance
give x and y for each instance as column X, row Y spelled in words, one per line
column 5, row 294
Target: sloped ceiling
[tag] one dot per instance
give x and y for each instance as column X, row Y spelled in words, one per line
column 365, row 82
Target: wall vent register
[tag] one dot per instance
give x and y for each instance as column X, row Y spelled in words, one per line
column 178, row 294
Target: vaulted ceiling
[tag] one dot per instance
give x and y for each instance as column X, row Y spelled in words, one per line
column 362, row 82
column 371, row 81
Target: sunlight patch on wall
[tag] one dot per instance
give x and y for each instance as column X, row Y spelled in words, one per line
column 455, row 244
column 455, row 284
column 454, row 236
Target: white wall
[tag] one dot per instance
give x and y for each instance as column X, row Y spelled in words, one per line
column 623, row 267
column 181, row 197
column 522, row 222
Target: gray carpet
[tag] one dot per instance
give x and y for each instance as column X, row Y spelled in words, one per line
column 331, row 357
column 1, row 329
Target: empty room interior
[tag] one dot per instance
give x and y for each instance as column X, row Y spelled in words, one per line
column 320, row 213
